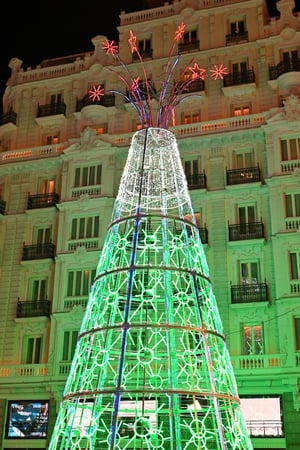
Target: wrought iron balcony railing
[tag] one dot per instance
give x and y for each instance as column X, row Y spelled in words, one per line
column 248, row 293
column 38, row 251
column 236, row 38
column 196, row 86
column 243, row 231
column 33, row 308
column 2, row 207
column 290, row 65
column 243, row 175
column 106, row 100
column 188, row 46
column 8, row 117
column 236, row 78
column 145, row 54
column 42, row 200
column 196, row 181
column 51, row 109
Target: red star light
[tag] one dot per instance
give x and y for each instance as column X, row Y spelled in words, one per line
column 179, row 32
column 197, row 72
column 132, row 42
column 218, row 72
column 96, row 92
column 110, row 47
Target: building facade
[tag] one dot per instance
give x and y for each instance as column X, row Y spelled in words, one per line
column 61, row 160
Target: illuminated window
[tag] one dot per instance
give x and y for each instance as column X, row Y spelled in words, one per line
column 241, row 111
column 88, row 176
column 144, row 45
column 263, row 416
column 237, row 26
column 32, row 349
column 290, row 149
column 252, row 340
column 191, row 118
column 292, row 205
column 79, row 282
column 85, row 227
column 52, row 139
column 69, row 344
column 46, row 185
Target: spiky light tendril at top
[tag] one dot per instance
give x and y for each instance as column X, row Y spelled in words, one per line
column 139, row 93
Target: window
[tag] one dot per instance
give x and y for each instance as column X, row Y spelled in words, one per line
column 295, row 265
column 189, row 36
column 246, row 214
column 292, row 205
column 191, row 118
column 79, row 282
column 55, row 98
column 88, row 176
column 32, row 350
column 241, row 110
column 249, row 272
column 42, row 235
column 38, row 289
column 50, row 139
column 252, row 340
column 69, row 344
column 237, row 26
column 85, row 227
column 46, row 185
column 192, row 167
column 263, row 416
column 144, row 45
column 290, row 149
column 297, row 332
column 243, row 159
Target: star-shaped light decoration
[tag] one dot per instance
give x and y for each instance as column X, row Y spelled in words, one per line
column 132, row 42
column 197, row 72
column 179, row 32
column 96, row 92
column 110, row 47
column 218, row 72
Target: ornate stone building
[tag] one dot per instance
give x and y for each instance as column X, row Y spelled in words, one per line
column 60, row 164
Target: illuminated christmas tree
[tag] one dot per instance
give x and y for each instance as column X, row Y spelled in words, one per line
column 151, row 368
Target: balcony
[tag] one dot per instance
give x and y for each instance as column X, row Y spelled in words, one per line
column 244, row 231
column 38, row 251
column 195, row 86
column 8, row 120
column 2, row 207
column 196, row 181
column 186, row 47
column 243, row 175
column 238, row 78
column 42, row 200
column 145, row 54
column 34, row 308
column 249, row 293
column 236, row 38
column 265, row 428
column 51, row 113
column 106, row 100
column 290, row 65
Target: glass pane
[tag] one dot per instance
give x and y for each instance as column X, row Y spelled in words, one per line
column 99, row 170
column 297, row 332
column 78, row 283
column 74, row 228
column 248, row 159
column 239, row 161
column 96, row 226
column 195, row 166
column 247, row 341
column 86, row 283
column 254, row 272
column 43, row 294
column 84, row 176
column 257, row 340
column 92, row 176
column 294, row 266
column 288, row 205
column 297, row 205
column 188, row 168
column 73, row 343
column 293, row 148
column 35, row 290
column 251, row 214
column 47, row 238
column 242, row 215
column 65, row 355
column 81, row 227
column 29, row 355
column 77, row 177
column 284, row 151
column 37, row 350
column 89, row 223
column 70, row 284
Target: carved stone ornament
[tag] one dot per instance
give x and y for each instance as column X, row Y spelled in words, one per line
column 292, row 107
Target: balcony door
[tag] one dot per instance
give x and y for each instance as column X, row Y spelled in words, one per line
column 246, row 219
column 43, row 236
column 243, row 160
column 249, row 272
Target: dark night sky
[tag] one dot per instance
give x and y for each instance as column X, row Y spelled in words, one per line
column 50, row 30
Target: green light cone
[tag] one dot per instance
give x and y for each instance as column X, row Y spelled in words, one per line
column 151, row 368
